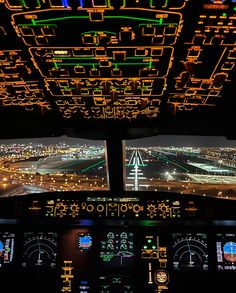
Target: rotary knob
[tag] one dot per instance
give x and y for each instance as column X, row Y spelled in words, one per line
column 61, row 209
column 124, row 207
column 152, row 208
column 74, row 207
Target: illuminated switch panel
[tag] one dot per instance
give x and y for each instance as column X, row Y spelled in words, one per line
column 155, row 261
column 100, row 98
column 35, row 208
column 102, row 91
column 110, row 59
column 23, row 94
column 175, row 4
column 103, row 61
column 216, row 25
column 89, row 209
column 150, row 249
column 13, row 66
column 209, row 59
column 116, row 73
column 62, row 208
column 26, row 5
column 128, row 27
column 163, row 209
column 117, row 208
column 119, row 54
column 19, row 5
column 191, row 209
column 67, row 276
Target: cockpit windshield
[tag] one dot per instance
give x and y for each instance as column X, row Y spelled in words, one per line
column 182, row 164
column 37, row 165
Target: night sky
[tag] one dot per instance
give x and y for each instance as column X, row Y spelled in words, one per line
column 161, row 140
column 183, row 141
column 54, row 140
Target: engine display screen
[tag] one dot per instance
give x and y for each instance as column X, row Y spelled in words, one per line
column 117, row 248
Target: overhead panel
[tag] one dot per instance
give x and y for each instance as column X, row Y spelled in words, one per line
column 107, row 59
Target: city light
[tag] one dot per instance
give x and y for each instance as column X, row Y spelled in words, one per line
column 34, row 167
column 206, row 171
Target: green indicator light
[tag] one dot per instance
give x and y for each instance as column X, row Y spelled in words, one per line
column 145, row 247
column 149, row 240
column 235, row 8
column 224, row 14
column 153, row 247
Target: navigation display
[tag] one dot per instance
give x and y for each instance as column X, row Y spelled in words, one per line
column 51, row 164
column 226, row 251
column 117, row 248
column 190, row 251
column 182, row 164
column 6, row 248
column 39, row 250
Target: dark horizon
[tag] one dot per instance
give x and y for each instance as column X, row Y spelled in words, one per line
column 53, row 140
column 182, row 141
column 157, row 141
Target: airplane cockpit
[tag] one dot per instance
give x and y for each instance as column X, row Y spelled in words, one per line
column 117, row 146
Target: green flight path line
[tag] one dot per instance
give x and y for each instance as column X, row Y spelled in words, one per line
column 92, row 166
column 164, row 159
column 69, row 164
column 80, row 162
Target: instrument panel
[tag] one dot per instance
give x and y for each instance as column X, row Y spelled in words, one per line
column 109, row 258
column 107, row 244
column 122, row 60
column 82, row 205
